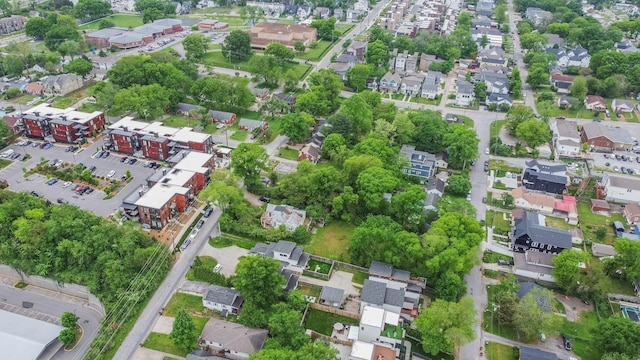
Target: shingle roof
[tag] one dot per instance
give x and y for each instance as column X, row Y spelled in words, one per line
column 285, row 247
column 222, row 295
column 234, row 337
column 250, row 124
column 624, row 182
column 526, row 287
column 332, row 295
column 546, row 168
column 381, row 269
column 567, row 128
column 394, row 297
column 527, row 353
column 530, row 225
column 373, row 292
column 601, row 250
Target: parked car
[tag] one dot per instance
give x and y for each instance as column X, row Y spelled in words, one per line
column 185, row 244
column 193, row 234
column 52, row 182
column 93, row 168
column 48, row 146
column 264, row 199
column 111, row 173
column 62, row 201
column 87, row 190
column 35, row 193
column 217, row 268
column 132, row 161
column 123, row 159
column 36, row 144
column 99, row 154
column 199, row 224
column 567, row 343
column 66, row 184
column 208, row 212
column 105, row 154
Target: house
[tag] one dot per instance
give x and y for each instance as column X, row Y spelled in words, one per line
column 565, row 101
column 425, row 61
column 377, row 294
column 620, row 105
column 309, row 152
column 379, row 325
column 421, row 163
column 331, row 296
column 621, row 188
column 561, row 82
column 390, row 82
column 322, row 12
column 595, row 103
column 431, row 85
column 579, row 57
column 341, row 69
column 531, row 233
column 60, row 85
column 35, row 89
column 602, row 250
column 434, row 190
column 527, row 353
column 565, row 137
column 603, row 138
column 389, row 298
column 464, row 93
column 232, row 340
column 577, row 237
column 357, row 49
column 222, row 299
column 251, row 125
column 338, row 13
column 290, row 100
column 533, row 201
column 537, row 15
column 189, row 110
column 261, row 94
column 562, row 58
column 12, row 23
column 631, row 212
column 546, row 178
column 527, row 287
column 501, row 100
column 554, row 40
column 599, row 206
column 222, row 117
column 534, row 265
column 202, row 355
column 278, row 215
column 411, row 85
column 290, row 255
column 14, row 123
column 484, row 8
column 496, row 83
column 265, row 33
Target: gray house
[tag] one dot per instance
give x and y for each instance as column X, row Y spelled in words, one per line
column 222, row 299
column 421, row 163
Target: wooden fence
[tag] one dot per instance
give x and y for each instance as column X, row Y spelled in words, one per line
column 317, row 274
column 317, row 335
column 333, row 310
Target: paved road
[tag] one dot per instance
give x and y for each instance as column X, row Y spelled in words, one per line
column 171, row 283
column 518, row 56
column 52, row 306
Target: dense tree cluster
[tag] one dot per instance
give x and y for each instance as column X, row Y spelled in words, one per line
column 91, row 9
column 155, row 9
column 54, row 30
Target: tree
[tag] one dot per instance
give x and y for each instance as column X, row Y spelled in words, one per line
column 534, row 132
column 251, row 14
column 69, row 319
column 500, row 14
column 105, row 23
column 515, row 83
column 248, row 160
column 195, row 46
column 104, row 93
column 297, row 126
column 91, row 9
column 183, row 333
column 37, row 27
column 258, row 280
column 65, row 28
column 429, row 131
column 516, row 116
column 237, row 46
column 530, row 319
column 579, row 87
column 265, row 69
column 21, row 50
column 357, row 76
column 279, row 51
column 79, row 66
column 533, row 41
column 628, row 258
column 311, row 351
column 448, row 204
column 566, row 268
column 322, row 100
column 480, row 90
column 326, row 28
column 615, row 356
column 462, row 145
column 273, row 106
column 359, row 113
column 332, row 143
column 147, row 101
column 285, row 329
column 445, row 326
column 68, row 336
column 617, row 334
column 537, row 77
column 372, row 183
column 299, row 47
column 407, row 207
column 150, row 15
column 377, row 54
column 458, row 185
column 484, row 41
column 69, row 47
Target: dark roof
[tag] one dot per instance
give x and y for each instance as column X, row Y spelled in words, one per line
column 220, row 115
column 526, row 287
column 286, row 98
column 188, row 107
column 401, row 275
column 527, row 353
column 436, row 184
column 202, row 355
column 529, row 225
column 285, row 247
column 546, row 168
column 380, row 268
column 332, row 295
column 557, row 179
column 394, row 297
column 223, row 295
column 346, row 58
column 373, row 292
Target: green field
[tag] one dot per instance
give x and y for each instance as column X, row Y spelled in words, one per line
column 496, row 126
column 191, row 303
column 322, row 322
column 331, row 241
column 580, row 334
column 317, row 53
column 89, row 107
column 63, row 102
column 215, row 58
column 590, row 222
column 240, row 135
column 179, row 121
column 229, row 240
column 496, row 351
column 120, row 20
column 289, row 154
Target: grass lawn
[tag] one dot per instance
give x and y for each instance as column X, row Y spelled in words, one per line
column 179, row 121
column 558, row 223
column 162, row 342
column 491, row 323
column 493, row 257
column 580, row 335
column 24, row 99
column 500, row 224
column 63, row 102
column 317, row 53
column 228, row 240
column 434, row 102
column 207, row 262
column 468, row 122
column 504, row 166
column 191, row 303
column 310, row 290
column 319, row 267
column 120, row 21
column 217, row 59
column 89, row 107
column 247, row 114
column 322, row 322
column 496, row 126
column 358, row 276
column 290, row 154
column 628, row 117
column 590, row 222
column 240, row 135
column 495, row 351
column 4, row 163
column 331, row 241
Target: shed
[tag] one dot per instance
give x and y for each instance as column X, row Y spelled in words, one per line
column 332, row 296
column 599, row 206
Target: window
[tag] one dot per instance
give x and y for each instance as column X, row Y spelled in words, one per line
column 535, row 244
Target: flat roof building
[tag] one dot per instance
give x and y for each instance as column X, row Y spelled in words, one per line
column 24, row 338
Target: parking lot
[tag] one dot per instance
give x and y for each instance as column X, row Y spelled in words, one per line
column 616, row 164
column 93, row 202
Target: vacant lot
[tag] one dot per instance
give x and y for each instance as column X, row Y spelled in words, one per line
column 332, row 241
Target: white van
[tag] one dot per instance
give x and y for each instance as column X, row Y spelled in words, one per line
column 8, row 153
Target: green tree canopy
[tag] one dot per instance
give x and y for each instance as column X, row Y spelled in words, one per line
column 462, row 145
column 297, row 126
column 195, row 46
column 237, row 46
column 458, row 184
column 79, row 66
column 183, row 333
column 258, row 280
column 617, row 334
column 445, row 326
column 534, row 132
column 248, row 159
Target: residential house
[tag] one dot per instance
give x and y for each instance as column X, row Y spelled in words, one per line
column 354, row 15
column 290, row 100
column 309, row 152
column 411, row 85
column 190, row 110
column 531, row 233
column 621, row 188
column 494, row 36
column 380, row 325
column 527, row 287
column 377, row 294
column 400, row 294
column 533, row 201
column 543, row 177
column 431, row 85
column 421, row 163
column 322, row 12
column 579, row 57
column 361, row 350
column 533, row 264
column 537, row 15
column 264, row 33
column 411, row 63
column 261, row 94
column 434, row 190
column 252, row 125
column 222, row 299
column 599, row 206
column 341, row 69
column 202, row 355
column 358, row 49
column 372, row 84
column 290, row 255
column 401, row 61
column 566, row 137
column 562, row 58
column 554, row 40
column 484, row 8
column 527, row 353
column 577, row 237
column 12, row 23
column 496, row 83
column 620, row 105
column 35, row 88
column 595, row 103
column 464, row 93
column 425, row 61
column 603, row 138
column 222, row 117
column 561, row 82
column 631, row 212
column 278, row 215
column 60, row 85
column 565, row 101
column 625, row 46
column 231, row 340
column 602, row 250
column 501, row 100
column 332, row 296
column 338, row 13
column 14, row 123
column 390, row 82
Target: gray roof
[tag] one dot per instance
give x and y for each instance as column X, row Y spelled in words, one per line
column 527, row 353
column 373, row 292
column 251, row 124
column 465, row 87
column 220, row 115
column 546, row 168
column 126, row 38
column 436, row 184
column 529, row 225
column 600, row 250
column 567, row 128
column 401, row 275
column 624, row 182
column 430, row 87
column 107, row 33
column 620, row 135
column 149, row 29
column 381, row 269
column 234, row 337
column 222, row 295
column 22, row 337
column 346, row 58
column 285, row 247
column 202, row 355
column 332, row 295
column 493, row 97
column 188, row 107
column 394, row 297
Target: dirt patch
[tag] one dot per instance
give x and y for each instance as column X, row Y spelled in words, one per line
column 573, row 306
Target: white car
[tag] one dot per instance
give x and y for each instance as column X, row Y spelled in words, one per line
column 111, row 173
column 217, row 268
column 486, row 151
column 66, row 184
column 193, row 234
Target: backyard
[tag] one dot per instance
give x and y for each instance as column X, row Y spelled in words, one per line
column 319, row 266
column 590, row 222
column 286, row 153
column 501, row 224
column 557, row 223
column 580, row 334
column 191, row 303
column 331, row 241
column 179, row 121
column 322, row 322
column 240, row 135
column 496, row 351
column 163, row 342
column 206, row 262
column 228, row 240
column 125, row 21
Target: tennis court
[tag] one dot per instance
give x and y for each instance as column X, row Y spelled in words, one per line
column 630, row 312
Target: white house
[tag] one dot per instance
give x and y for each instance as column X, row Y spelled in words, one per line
column 566, row 137
column 278, row 215
column 236, row 341
column 621, row 188
column 284, row 251
column 533, row 201
column 379, row 325
column 222, row 299
column 411, row 85
column 464, row 93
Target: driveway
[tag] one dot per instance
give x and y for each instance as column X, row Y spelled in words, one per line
column 573, row 307
column 339, row 279
column 228, row 257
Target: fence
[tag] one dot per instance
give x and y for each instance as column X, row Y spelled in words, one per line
column 333, row 310
column 68, row 289
column 316, row 335
column 317, row 274
column 351, row 266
